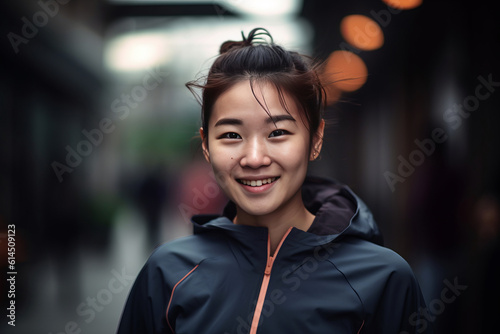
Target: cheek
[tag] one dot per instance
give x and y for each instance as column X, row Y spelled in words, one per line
column 294, row 153
column 222, row 161
column 216, row 161
column 221, row 154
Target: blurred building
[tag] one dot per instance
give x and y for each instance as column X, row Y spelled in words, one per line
column 98, row 137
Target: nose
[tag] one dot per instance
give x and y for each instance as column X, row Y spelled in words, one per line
column 256, row 154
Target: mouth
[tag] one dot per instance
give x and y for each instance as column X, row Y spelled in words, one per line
column 257, row 183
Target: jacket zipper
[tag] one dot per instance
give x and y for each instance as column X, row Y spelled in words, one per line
column 265, row 281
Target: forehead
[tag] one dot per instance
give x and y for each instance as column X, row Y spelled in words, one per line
column 258, row 102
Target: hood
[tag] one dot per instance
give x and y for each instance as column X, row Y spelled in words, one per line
column 338, row 211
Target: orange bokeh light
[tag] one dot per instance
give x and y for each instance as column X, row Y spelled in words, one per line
column 345, row 71
column 362, row 32
column 332, row 93
column 403, row 4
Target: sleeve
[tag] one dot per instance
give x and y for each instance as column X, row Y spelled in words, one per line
column 144, row 311
column 402, row 308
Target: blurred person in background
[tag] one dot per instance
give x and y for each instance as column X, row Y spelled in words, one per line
column 291, row 253
column 151, row 196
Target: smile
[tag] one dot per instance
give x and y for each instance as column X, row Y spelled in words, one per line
column 257, row 183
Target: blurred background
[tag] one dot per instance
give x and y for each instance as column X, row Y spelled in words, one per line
column 101, row 163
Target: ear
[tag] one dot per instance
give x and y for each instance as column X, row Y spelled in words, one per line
column 204, row 145
column 317, row 141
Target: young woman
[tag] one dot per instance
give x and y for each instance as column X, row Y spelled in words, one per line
column 290, row 253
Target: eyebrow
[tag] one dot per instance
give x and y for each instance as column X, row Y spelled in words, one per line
column 236, row 121
column 278, row 118
column 229, row 121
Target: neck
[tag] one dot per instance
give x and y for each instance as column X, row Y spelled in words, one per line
column 278, row 222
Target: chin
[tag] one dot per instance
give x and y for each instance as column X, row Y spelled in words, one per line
column 256, row 210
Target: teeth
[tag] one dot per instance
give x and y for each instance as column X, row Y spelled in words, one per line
column 258, row 183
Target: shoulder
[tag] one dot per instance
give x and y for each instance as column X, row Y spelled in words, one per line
column 371, row 269
column 358, row 253
column 192, row 247
column 385, row 284
column 172, row 260
column 172, row 247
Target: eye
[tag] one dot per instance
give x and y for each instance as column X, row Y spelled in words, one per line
column 278, row 133
column 230, row 135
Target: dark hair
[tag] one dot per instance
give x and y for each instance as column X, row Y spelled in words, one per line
column 259, row 61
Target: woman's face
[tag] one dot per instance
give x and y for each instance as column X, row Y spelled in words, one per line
column 260, row 164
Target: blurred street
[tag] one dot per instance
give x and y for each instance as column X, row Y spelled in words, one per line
column 101, row 160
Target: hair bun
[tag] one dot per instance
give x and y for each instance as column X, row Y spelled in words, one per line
column 253, row 35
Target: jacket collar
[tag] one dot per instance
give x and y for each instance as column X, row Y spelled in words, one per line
column 339, row 212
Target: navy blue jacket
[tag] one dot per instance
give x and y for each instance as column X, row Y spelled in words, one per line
column 334, row 278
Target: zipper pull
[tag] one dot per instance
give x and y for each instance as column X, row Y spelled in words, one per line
column 269, row 265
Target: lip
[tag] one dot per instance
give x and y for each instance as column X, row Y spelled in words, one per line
column 257, row 189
